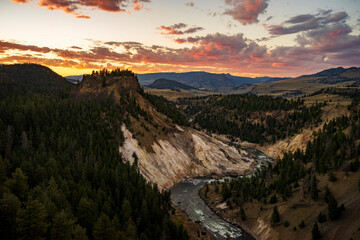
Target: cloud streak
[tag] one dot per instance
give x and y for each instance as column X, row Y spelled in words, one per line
column 307, row 22
column 178, row 29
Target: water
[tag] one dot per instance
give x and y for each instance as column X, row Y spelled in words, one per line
column 185, row 194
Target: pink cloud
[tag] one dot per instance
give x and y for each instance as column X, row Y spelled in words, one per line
column 321, row 48
column 246, row 11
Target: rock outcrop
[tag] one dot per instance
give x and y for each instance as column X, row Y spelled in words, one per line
column 185, row 154
column 166, row 153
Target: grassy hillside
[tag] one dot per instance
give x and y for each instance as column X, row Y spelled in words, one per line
column 308, row 84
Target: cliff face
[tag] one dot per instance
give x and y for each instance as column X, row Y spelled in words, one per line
column 186, row 154
column 166, row 152
column 96, row 87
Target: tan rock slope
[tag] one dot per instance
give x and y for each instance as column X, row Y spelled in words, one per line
column 166, row 152
column 185, row 154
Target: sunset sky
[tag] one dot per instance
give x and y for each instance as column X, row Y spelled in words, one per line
column 241, row 37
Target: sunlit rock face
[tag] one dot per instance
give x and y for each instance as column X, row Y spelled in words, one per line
column 185, row 154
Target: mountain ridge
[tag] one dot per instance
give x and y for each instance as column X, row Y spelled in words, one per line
column 163, row 83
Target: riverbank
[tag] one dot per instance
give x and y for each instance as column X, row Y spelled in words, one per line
column 195, row 230
column 244, row 228
column 186, row 196
column 296, row 209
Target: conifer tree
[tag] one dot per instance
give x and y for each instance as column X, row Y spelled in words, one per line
column 315, row 232
column 242, row 214
column 314, row 189
column 275, row 216
column 31, row 221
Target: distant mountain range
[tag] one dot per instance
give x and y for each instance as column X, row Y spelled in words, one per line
column 163, row 83
column 201, row 79
column 74, row 78
column 194, row 79
column 225, row 82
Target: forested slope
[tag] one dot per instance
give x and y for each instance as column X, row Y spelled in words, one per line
column 252, row 118
column 305, row 184
column 62, row 176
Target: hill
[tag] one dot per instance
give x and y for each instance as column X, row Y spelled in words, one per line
column 308, row 84
column 169, row 84
column 200, row 79
column 22, row 78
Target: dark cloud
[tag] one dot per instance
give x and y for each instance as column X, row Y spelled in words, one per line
column 10, row 46
column 72, row 6
column 246, row 11
column 269, row 18
column 76, row 47
column 300, row 18
column 307, row 22
column 176, row 29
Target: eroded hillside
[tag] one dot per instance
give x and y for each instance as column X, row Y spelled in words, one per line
column 165, row 152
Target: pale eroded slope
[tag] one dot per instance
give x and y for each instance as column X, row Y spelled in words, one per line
column 184, row 154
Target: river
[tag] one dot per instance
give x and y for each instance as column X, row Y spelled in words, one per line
column 185, row 194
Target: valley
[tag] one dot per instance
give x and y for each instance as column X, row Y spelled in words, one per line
column 179, row 120
column 124, row 134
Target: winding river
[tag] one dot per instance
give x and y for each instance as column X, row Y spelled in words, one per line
column 185, row 194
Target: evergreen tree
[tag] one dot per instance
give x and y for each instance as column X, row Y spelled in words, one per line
column 315, row 232
column 31, row 221
column 79, row 233
column 63, row 227
column 302, row 224
column 18, row 184
column 273, row 199
column 322, row 217
column 9, row 206
column 275, row 216
column 334, row 211
column 314, row 189
column 103, row 229
column 242, row 213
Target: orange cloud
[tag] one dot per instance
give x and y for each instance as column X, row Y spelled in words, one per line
column 21, row 1
column 214, row 52
column 72, row 7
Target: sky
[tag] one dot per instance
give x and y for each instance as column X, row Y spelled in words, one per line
column 283, row 38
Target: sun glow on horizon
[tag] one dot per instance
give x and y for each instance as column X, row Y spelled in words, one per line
column 276, row 41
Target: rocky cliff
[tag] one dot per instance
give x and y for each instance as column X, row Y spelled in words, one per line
column 186, row 154
column 166, row 153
